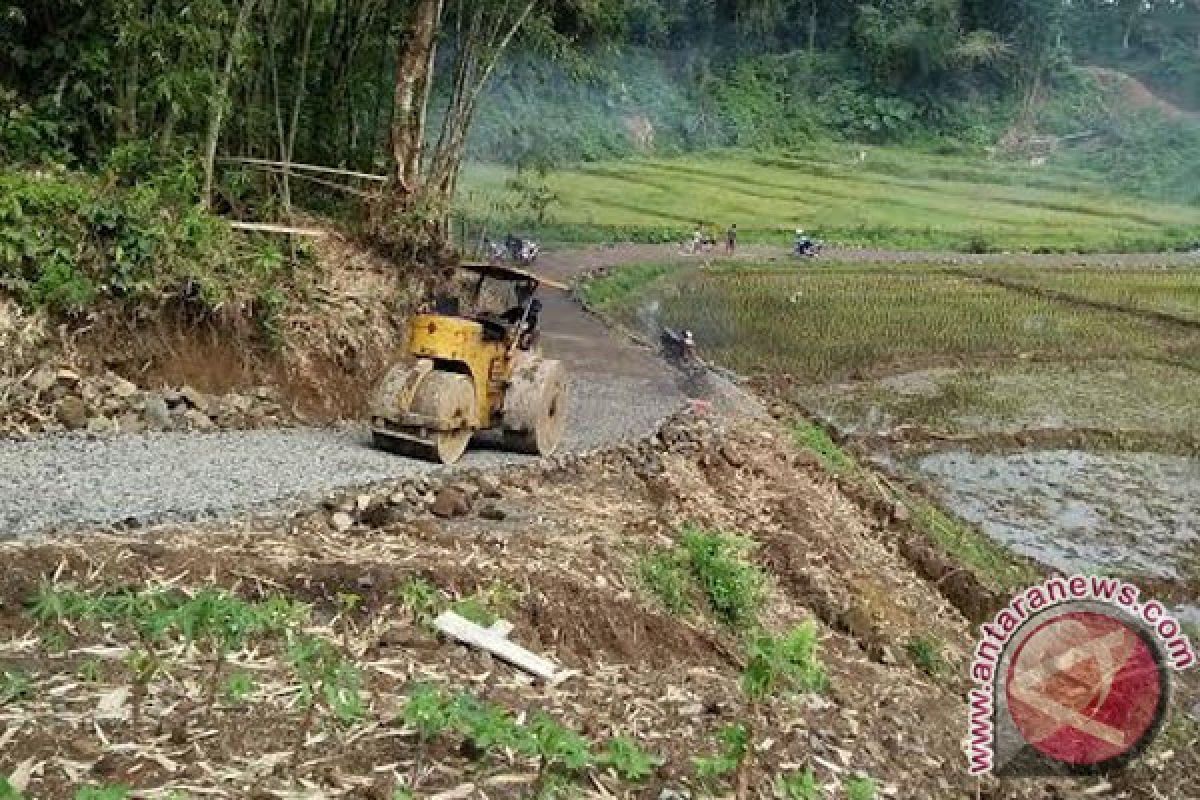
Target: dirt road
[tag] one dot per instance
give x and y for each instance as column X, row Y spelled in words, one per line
column 618, row 391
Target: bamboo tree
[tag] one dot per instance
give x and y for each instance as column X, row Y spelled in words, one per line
column 220, row 99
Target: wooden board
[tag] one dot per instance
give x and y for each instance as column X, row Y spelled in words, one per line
column 494, row 640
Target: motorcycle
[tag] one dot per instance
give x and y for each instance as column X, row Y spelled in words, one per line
column 806, row 247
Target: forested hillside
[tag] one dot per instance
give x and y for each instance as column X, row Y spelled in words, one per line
column 150, row 104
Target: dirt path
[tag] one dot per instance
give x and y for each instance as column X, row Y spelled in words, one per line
column 619, row 391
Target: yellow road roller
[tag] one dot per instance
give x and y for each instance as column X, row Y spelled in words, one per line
column 473, row 364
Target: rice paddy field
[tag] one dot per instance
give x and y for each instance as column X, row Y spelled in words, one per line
column 861, row 196
column 1055, row 410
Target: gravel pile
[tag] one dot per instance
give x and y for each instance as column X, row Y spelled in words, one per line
column 63, row 482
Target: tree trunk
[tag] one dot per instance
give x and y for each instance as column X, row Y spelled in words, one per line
column 812, row 26
column 470, row 81
column 219, row 101
column 414, row 63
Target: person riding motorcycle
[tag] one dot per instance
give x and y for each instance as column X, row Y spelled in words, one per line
column 804, row 245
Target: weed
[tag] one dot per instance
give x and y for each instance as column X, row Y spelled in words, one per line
column 733, row 745
column 812, row 436
column 733, row 586
column 102, row 793
column 15, row 685
column 89, row 671
column 665, row 575
column 926, row 653
column 622, row 284
column 859, row 787
column 775, row 663
column 7, row 792
column 403, row 793
column 422, row 599
column 324, row 677
column 561, row 753
column 239, row 686
column 487, row 606
column 623, row 756
column 475, row 609
column 486, row 726
column 429, row 713
column 55, row 640
column 798, row 786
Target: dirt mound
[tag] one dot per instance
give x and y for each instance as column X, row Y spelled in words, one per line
column 314, row 359
column 1135, row 95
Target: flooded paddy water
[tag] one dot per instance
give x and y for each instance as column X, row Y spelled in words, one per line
column 1128, row 508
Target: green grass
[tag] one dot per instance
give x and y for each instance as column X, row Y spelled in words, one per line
column 895, row 198
column 622, row 284
column 1175, row 292
column 832, row 323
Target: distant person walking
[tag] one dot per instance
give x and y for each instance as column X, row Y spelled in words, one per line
column 731, row 239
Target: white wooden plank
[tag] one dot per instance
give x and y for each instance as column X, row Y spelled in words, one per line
column 467, row 632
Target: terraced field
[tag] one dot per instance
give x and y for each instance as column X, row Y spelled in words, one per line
column 862, row 196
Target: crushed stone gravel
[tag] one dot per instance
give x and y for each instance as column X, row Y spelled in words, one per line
column 66, row 482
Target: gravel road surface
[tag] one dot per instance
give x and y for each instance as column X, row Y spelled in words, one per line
column 618, row 391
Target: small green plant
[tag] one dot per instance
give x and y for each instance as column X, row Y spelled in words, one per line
column 7, row 792
column 102, row 793
column 487, row 727
column 665, row 575
column 55, row 640
column 325, row 677
column 89, row 671
column 239, row 686
column 403, row 793
column 859, row 787
column 15, row 685
column 798, row 786
column 733, row 586
column 788, row 662
column 562, row 754
column 926, row 653
column 733, row 745
column 422, row 599
column 143, row 664
column 632, row 764
column 474, row 608
column 430, row 714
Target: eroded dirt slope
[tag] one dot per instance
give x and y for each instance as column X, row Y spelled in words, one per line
column 555, row 549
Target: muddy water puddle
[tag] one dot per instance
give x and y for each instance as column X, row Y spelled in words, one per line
column 1131, row 513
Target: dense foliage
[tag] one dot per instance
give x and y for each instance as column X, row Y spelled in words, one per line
column 315, row 79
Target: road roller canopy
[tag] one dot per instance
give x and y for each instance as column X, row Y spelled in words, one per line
column 503, row 272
